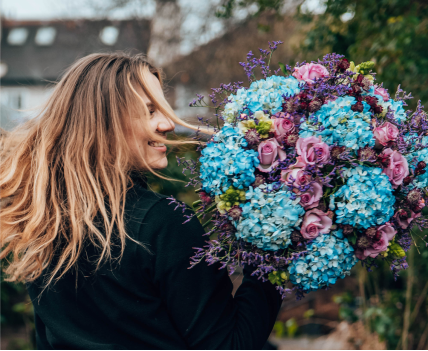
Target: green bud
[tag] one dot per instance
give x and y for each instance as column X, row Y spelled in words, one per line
column 396, row 250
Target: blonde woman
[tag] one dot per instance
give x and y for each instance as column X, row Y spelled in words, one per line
column 105, row 259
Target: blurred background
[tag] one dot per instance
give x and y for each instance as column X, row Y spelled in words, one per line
column 199, row 45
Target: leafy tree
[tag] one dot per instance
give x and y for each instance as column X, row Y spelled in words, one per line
column 392, row 33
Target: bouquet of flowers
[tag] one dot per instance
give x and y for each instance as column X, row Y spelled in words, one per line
column 310, row 170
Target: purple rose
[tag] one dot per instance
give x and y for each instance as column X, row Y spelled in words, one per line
column 398, row 168
column 283, row 125
column 315, row 222
column 311, row 197
column 309, row 72
column 270, row 153
column 382, row 92
column 313, row 150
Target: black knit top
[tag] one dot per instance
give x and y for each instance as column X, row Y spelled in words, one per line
column 150, row 299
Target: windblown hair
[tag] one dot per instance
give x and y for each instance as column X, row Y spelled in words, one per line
column 71, row 164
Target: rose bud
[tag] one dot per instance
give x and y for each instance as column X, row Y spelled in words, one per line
column 303, row 105
column 343, row 64
column 421, row 165
column 377, row 109
column 419, row 172
column 371, row 100
column 357, row 107
column 407, row 180
column 359, row 79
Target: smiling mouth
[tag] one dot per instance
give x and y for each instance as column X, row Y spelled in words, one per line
column 155, row 144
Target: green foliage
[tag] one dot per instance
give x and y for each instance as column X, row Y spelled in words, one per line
column 391, row 33
column 278, row 277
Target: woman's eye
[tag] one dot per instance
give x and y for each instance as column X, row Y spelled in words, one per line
column 152, row 112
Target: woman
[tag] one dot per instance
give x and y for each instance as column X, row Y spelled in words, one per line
column 104, row 258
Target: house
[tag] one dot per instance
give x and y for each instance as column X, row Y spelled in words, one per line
column 36, row 53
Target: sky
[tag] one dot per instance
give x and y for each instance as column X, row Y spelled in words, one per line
column 55, row 9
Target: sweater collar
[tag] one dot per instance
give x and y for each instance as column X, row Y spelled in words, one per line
column 139, row 177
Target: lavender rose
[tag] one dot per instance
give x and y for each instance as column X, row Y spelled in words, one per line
column 311, row 197
column 270, row 153
column 382, row 92
column 313, row 150
column 385, row 133
column 309, row 72
column 283, row 125
column 315, row 222
column 404, row 221
column 398, row 168
column 386, row 233
column 296, row 174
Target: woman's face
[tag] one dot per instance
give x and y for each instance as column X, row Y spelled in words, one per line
column 153, row 152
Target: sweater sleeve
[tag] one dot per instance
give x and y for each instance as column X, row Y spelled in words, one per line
column 199, row 300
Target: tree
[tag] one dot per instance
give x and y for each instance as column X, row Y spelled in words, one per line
column 392, row 33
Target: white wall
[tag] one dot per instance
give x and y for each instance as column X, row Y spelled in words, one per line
column 23, row 98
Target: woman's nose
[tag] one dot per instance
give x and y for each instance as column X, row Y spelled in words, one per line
column 165, row 125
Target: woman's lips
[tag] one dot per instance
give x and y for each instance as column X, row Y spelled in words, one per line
column 158, row 146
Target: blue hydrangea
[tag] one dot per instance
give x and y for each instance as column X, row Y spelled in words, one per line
column 269, row 218
column 264, row 94
column 395, row 106
column 329, row 257
column 225, row 162
column 365, row 200
column 340, row 124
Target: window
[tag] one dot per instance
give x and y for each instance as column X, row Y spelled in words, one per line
column 3, row 69
column 17, row 36
column 45, row 36
column 109, row 35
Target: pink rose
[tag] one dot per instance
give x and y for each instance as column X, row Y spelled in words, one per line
column 382, row 92
column 310, row 72
column 311, row 197
column 398, row 168
column 385, row 133
column 313, row 150
column 315, row 222
column 387, row 233
column 296, row 174
column 283, row 125
column 405, row 222
column 270, row 153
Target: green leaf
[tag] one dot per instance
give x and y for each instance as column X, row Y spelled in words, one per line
column 283, row 69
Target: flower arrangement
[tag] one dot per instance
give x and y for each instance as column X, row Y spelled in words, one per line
column 311, row 169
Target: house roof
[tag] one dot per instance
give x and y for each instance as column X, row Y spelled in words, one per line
column 31, row 63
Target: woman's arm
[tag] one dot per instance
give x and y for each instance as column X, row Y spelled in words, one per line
column 199, row 300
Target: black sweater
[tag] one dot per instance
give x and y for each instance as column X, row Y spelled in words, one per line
column 151, row 300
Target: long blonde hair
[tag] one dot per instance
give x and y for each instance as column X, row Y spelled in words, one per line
column 72, row 163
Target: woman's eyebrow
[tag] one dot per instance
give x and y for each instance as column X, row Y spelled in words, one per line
column 150, row 105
